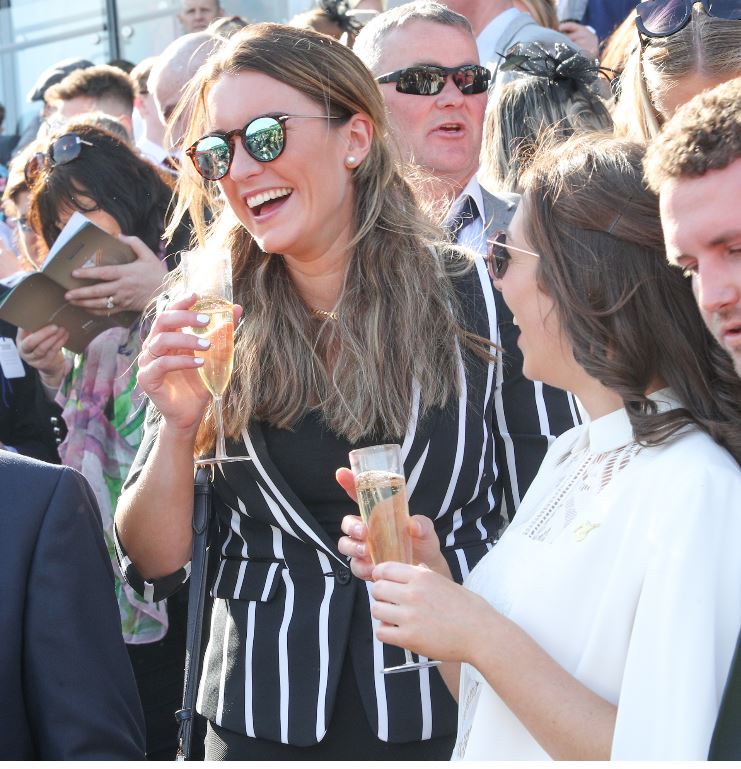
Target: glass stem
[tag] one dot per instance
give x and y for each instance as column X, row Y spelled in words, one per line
column 220, row 448
column 408, row 659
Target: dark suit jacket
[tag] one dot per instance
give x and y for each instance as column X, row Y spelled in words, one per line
column 66, row 686
column 726, row 742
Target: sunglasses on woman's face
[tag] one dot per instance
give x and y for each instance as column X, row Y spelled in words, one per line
column 663, row 18
column 429, row 79
column 264, row 138
column 64, row 150
column 498, row 256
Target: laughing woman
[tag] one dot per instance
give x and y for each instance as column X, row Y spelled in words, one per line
column 356, row 332
column 603, row 623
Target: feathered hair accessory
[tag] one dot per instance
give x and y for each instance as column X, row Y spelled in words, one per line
column 341, row 13
column 556, row 62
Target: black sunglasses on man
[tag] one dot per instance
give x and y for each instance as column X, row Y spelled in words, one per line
column 430, row 79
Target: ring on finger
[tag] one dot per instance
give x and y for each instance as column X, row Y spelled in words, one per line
column 109, row 303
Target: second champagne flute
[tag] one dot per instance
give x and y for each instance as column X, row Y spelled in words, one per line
column 208, row 273
column 382, row 499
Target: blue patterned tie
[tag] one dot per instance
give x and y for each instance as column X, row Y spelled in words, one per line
column 468, row 214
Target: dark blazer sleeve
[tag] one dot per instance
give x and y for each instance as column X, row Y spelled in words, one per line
column 26, row 414
column 81, row 697
column 726, row 742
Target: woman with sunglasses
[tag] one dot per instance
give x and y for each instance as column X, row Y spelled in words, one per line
column 681, row 48
column 603, row 623
column 359, row 327
column 89, row 170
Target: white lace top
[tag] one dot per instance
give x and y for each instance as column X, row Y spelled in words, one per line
column 624, row 564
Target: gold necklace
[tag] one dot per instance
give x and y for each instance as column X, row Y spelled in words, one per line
column 325, row 314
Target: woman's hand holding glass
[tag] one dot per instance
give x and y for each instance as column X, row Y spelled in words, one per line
column 424, row 539
column 169, row 363
column 429, row 614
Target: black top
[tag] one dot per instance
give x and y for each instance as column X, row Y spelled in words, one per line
column 309, row 472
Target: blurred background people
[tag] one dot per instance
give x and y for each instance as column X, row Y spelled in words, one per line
column 101, row 88
column 337, row 18
column 169, row 77
column 673, row 63
column 68, row 691
column 196, row 15
column 102, row 404
column 554, row 88
column 150, row 136
column 497, row 25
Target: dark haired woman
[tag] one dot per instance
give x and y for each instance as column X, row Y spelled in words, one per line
column 603, row 623
column 102, row 403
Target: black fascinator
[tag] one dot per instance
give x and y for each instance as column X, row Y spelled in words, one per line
column 556, row 62
column 340, row 12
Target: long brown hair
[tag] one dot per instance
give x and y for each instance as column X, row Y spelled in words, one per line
column 397, row 318
column 631, row 317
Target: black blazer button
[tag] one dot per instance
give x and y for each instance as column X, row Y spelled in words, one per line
column 343, row 576
column 54, row 420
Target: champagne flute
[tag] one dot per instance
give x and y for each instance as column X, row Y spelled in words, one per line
column 382, row 499
column 208, row 273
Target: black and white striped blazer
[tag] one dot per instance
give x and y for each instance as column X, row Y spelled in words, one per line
column 286, row 607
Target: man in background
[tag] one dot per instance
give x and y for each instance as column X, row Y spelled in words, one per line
column 101, row 88
column 171, row 73
column 68, row 692
column 196, row 15
column 497, row 25
column 695, row 168
column 148, row 126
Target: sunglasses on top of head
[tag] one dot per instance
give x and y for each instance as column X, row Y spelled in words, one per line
column 264, row 138
column 498, row 256
column 64, row 150
column 429, row 79
column 663, row 18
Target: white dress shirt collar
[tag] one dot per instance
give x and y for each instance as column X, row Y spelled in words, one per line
column 614, row 430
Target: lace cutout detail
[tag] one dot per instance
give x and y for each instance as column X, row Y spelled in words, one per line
column 588, row 475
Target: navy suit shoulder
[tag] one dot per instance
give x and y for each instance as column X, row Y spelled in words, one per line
column 67, row 687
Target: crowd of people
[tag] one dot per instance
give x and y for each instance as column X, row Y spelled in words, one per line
column 503, row 235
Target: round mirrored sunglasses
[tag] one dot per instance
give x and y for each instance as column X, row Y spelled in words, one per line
column 263, row 138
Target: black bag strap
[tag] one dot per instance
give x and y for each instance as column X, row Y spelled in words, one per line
column 196, row 601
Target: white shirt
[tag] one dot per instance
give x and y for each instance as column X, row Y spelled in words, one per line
column 154, row 152
column 472, row 235
column 491, row 34
column 623, row 564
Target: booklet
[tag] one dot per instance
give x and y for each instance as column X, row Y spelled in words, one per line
column 36, row 299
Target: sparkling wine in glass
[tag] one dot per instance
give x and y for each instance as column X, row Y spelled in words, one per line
column 382, row 499
column 208, row 273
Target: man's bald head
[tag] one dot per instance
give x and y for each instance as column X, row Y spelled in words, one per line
column 174, row 69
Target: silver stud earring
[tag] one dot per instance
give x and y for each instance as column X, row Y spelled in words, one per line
column 351, row 161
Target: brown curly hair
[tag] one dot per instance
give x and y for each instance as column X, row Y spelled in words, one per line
column 704, row 135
